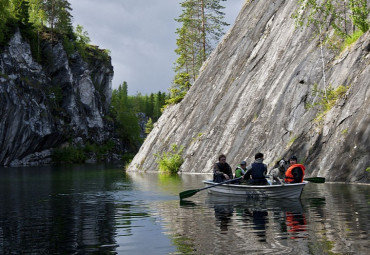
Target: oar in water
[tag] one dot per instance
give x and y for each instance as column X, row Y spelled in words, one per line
column 189, row 193
column 315, row 179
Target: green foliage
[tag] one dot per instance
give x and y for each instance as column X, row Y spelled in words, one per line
column 79, row 154
column 149, row 126
column 327, row 98
column 176, row 96
column 82, row 40
column 359, row 14
column 201, row 29
column 100, row 151
column 352, row 39
column 338, row 15
column 170, row 162
column 368, row 169
column 125, row 109
column 68, row 45
column 69, row 154
column 344, row 131
column 127, row 158
column 291, row 141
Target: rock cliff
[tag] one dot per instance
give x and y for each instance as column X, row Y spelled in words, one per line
column 44, row 105
column 252, row 96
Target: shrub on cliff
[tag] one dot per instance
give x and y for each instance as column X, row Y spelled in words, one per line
column 170, row 162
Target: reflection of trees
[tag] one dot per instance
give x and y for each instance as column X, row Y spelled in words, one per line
column 57, row 211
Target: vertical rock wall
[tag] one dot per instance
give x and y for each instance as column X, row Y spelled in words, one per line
column 252, row 96
column 44, row 105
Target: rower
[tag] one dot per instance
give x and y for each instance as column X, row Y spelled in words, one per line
column 257, row 171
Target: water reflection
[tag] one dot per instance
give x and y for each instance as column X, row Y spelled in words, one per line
column 257, row 214
column 53, row 211
column 93, row 210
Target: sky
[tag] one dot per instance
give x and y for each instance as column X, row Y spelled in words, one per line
column 141, row 37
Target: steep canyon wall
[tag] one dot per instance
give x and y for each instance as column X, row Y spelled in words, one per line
column 44, row 104
column 252, row 96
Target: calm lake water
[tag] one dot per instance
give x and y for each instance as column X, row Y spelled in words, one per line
column 103, row 210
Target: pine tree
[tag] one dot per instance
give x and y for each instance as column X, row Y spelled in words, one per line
column 58, row 16
column 202, row 27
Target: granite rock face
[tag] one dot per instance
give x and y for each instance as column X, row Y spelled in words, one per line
column 252, row 96
column 44, row 105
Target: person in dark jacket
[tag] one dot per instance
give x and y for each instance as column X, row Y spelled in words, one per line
column 222, row 170
column 256, row 172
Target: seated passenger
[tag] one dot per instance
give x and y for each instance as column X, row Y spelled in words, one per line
column 256, row 172
column 222, row 170
column 295, row 172
column 240, row 171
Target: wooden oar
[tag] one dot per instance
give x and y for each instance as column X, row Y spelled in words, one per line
column 189, row 193
column 315, row 179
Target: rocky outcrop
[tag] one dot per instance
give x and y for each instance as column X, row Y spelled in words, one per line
column 44, row 105
column 252, row 96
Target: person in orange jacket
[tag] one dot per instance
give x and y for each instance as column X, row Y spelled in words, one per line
column 295, row 172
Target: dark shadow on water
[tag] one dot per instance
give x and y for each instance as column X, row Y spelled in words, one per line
column 185, row 204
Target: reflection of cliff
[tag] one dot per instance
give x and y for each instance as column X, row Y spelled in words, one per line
column 46, row 211
column 342, row 223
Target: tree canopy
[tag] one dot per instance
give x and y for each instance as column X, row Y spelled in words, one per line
column 201, row 28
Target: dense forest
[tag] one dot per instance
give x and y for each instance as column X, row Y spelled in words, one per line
column 129, row 111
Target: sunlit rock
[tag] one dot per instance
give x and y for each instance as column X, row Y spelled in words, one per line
column 252, row 96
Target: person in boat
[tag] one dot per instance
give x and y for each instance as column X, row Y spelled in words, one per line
column 222, row 170
column 295, row 172
column 278, row 172
column 240, row 171
column 256, row 172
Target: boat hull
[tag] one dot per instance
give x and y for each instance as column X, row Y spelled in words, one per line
column 293, row 190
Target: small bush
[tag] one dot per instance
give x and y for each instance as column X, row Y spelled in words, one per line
column 149, row 126
column 170, row 162
column 327, row 99
column 68, row 155
column 352, row 39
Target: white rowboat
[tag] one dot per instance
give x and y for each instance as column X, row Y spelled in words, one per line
column 291, row 190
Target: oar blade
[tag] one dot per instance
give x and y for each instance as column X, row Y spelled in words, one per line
column 315, row 179
column 188, row 193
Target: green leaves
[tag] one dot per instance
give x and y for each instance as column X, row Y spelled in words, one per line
column 337, row 14
column 170, row 162
column 126, row 110
column 202, row 27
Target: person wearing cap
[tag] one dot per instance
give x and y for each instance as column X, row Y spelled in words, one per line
column 295, row 172
column 257, row 171
column 222, row 170
column 241, row 169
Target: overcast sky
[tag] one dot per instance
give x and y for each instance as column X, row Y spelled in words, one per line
column 141, row 37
